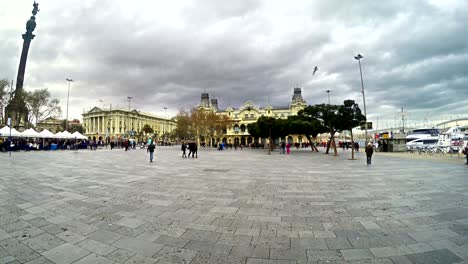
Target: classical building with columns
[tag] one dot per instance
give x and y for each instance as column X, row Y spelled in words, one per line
column 237, row 132
column 117, row 123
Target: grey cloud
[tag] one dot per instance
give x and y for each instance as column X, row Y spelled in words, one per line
column 414, row 54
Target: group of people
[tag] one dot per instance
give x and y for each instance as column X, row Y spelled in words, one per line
column 285, row 148
column 192, row 147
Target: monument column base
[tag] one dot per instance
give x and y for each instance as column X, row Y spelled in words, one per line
column 18, row 112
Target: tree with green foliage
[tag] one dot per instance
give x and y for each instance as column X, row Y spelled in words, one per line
column 327, row 116
column 349, row 117
column 41, row 106
column 147, row 129
column 304, row 124
column 269, row 127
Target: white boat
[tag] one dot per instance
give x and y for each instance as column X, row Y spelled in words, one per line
column 422, row 133
column 457, row 132
column 425, row 142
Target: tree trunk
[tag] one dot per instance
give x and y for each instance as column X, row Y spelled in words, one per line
column 352, row 148
column 312, row 145
column 334, row 144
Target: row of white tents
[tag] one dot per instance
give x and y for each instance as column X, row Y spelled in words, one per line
column 31, row 133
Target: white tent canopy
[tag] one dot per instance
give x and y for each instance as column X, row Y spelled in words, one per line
column 5, row 132
column 30, row 133
column 78, row 135
column 66, row 134
column 46, row 134
column 58, row 135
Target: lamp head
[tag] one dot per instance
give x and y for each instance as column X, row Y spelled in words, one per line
column 358, row 57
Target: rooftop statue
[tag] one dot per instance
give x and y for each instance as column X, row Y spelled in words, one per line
column 36, row 8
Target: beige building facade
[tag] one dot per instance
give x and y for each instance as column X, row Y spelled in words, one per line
column 52, row 124
column 115, row 124
column 237, row 131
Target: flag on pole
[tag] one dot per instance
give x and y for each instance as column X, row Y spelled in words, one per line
column 315, row 70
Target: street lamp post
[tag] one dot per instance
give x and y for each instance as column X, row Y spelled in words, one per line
column 129, row 98
column 68, row 99
column 328, row 92
column 358, row 58
column 164, row 124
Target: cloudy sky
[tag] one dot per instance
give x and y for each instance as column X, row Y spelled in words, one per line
column 165, row 53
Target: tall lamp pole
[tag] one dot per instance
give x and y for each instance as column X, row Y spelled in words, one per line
column 164, row 124
column 129, row 98
column 328, row 92
column 358, row 58
column 68, row 99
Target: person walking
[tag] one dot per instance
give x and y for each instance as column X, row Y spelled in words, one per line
column 369, row 152
column 283, row 148
column 150, row 149
column 465, row 151
column 184, row 148
column 288, row 148
column 195, row 150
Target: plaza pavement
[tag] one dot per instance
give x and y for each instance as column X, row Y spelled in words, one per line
column 230, row 207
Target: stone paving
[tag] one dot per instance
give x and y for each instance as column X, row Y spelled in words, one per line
column 230, row 207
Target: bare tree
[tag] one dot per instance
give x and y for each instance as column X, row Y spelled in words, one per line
column 41, row 106
column 3, row 98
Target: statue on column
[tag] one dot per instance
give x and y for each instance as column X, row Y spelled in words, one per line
column 35, row 8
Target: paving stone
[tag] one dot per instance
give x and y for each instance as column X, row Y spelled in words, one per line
column 288, row 254
column 420, row 247
column 141, row 259
column 174, row 255
column 120, row 255
column 8, row 259
column 442, row 256
column 427, row 236
column 269, row 261
column 94, row 259
column 130, row 222
column 96, row 247
column 138, row 246
column 384, row 252
column 308, row 243
column 43, row 242
column 65, row 253
column 18, row 250
column 228, row 239
column 401, row 260
column 171, row 241
column 201, row 235
column 338, row 243
column 40, row 260
column 71, row 237
column 356, row 254
column 326, row 255
column 250, row 251
column 209, row 258
column 209, row 247
column 4, row 234
column 104, row 236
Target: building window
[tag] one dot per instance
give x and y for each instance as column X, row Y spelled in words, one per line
column 246, row 116
column 252, row 116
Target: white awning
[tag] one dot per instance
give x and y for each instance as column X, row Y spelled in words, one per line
column 46, row 134
column 30, row 133
column 5, row 132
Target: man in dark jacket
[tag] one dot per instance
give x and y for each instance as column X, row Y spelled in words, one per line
column 465, row 151
column 369, row 152
column 184, row 148
column 150, row 149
